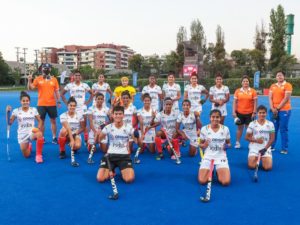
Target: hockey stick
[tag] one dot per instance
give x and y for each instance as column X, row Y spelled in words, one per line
column 73, row 160
column 115, row 194
column 208, row 188
column 8, row 113
column 136, row 159
column 93, row 148
column 171, row 146
column 255, row 176
column 200, row 151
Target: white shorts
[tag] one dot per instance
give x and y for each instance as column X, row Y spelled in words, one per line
column 91, row 140
column 192, row 137
column 222, row 109
column 81, row 110
column 219, row 163
column 25, row 137
column 254, row 152
column 149, row 136
column 196, row 108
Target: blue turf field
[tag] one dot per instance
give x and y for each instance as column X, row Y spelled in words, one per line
column 163, row 192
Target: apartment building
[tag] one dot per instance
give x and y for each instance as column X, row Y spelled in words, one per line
column 101, row 56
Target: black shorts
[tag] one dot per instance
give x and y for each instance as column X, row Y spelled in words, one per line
column 122, row 161
column 50, row 110
column 245, row 118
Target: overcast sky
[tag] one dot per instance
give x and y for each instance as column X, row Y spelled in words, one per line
column 147, row 27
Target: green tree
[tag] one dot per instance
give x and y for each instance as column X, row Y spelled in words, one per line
column 219, row 50
column 5, row 77
column 171, row 62
column 155, row 64
column 136, row 62
column 54, row 71
column 87, row 72
column 198, row 35
column 277, row 37
column 16, row 75
column 181, row 35
column 259, row 53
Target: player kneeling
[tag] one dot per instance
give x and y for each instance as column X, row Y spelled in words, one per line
column 72, row 127
column 167, row 119
column 26, row 116
column 214, row 138
column 260, row 134
column 98, row 115
column 190, row 122
column 118, row 134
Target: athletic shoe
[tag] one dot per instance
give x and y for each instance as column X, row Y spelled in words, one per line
column 272, row 149
column 54, row 141
column 285, row 152
column 62, row 155
column 160, row 156
column 237, row 145
column 39, row 158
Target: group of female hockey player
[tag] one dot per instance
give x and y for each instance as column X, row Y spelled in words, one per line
column 114, row 124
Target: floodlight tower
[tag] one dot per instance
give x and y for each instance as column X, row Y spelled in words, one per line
column 289, row 32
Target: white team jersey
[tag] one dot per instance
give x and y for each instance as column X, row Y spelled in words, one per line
column 154, row 94
column 128, row 114
column 188, row 122
column 168, row 122
column 102, row 89
column 78, row 92
column 217, row 141
column 118, row 138
column 260, row 131
column 171, row 91
column 194, row 95
column 219, row 94
column 99, row 116
column 25, row 120
column 74, row 121
column 147, row 117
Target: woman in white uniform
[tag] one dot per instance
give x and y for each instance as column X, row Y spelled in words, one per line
column 72, row 126
column 214, row 138
column 26, row 117
column 260, row 134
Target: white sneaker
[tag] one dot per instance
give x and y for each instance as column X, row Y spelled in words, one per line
column 237, row 145
column 272, row 149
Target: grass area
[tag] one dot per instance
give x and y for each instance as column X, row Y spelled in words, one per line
column 12, row 88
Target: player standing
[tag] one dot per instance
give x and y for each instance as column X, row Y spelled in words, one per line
column 219, row 95
column 172, row 90
column 101, row 87
column 193, row 92
column 154, row 91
